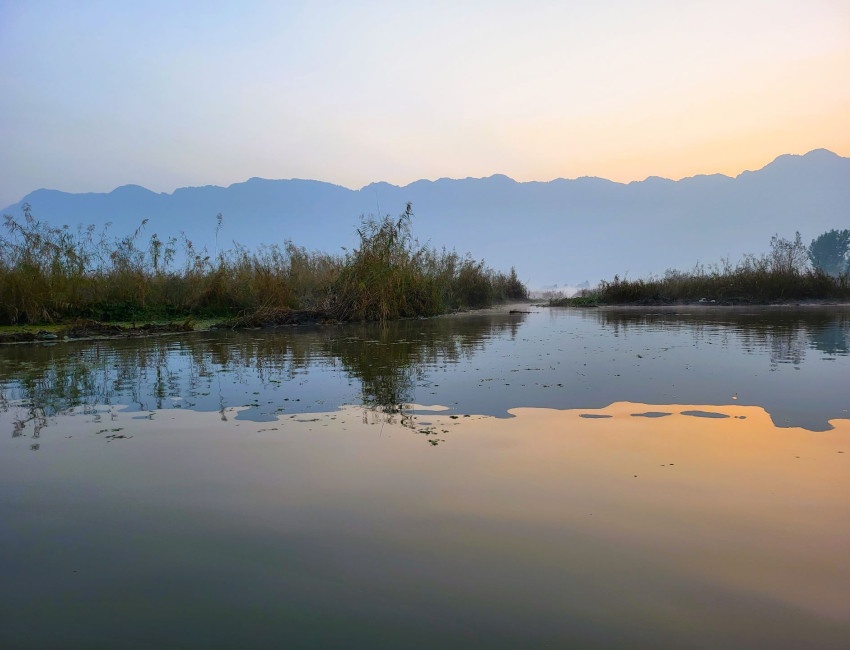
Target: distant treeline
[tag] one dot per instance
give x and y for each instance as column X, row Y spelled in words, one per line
column 49, row 274
column 791, row 271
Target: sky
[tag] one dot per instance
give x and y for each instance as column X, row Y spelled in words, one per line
column 94, row 95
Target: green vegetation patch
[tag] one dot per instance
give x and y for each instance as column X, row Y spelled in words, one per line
column 791, row 271
column 50, row 275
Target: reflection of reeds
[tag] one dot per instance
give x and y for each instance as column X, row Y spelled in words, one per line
column 785, row 333
column 150, row 373
column 49, row 273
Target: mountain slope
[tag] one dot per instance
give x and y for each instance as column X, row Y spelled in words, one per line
column 554, row 232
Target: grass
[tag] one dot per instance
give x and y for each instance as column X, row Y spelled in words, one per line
column 587, row 298
column 50, row 275
column 753, row 281
column 390, row 276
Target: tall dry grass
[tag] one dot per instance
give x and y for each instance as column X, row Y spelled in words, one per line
column 391, row 276
column 767, row 279
column 49, row 274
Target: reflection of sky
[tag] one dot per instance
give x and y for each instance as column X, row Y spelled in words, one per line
column 545, row 529
column 679, row 362
column 793, row 366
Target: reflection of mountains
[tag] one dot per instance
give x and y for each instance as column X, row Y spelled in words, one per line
column 787, row 333
column 214, row 370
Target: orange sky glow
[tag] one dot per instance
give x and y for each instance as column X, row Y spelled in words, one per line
column 167, row 95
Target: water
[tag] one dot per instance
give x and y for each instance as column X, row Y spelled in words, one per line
column 594, row 478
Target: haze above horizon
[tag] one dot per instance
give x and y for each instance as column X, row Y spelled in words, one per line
column 167, row 95
column 824, row 151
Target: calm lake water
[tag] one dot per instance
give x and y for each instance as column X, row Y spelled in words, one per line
column 559, row 478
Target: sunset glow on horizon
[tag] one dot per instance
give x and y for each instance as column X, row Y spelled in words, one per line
column 168, row 95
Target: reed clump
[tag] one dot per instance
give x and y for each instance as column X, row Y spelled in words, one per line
column 391, row 276
column 50, row 274
column 754, row 280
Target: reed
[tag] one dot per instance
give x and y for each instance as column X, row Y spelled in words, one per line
column 754, row 280
column 50, row 274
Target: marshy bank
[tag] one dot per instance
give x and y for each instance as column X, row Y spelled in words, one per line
column 738, row 287
column 50, row 275
column 789, row 273
column 87, row 329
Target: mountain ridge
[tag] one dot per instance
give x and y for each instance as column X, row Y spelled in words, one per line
column 780, row 158
column 562, row 231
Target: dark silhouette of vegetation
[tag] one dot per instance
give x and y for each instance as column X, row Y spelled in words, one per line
column 48, row 274
column 782, row 275
column 830, row 252
column 787, row 257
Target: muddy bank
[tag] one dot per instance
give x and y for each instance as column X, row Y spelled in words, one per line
column 708, row 304
column 262, row 319
column 711, row 304
column 274, row 317
column 86, row 329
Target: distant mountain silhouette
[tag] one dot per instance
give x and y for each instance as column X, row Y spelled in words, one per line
column 557, row 232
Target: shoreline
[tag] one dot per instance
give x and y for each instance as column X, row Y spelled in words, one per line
column 89, row 330
column 96, row 330
column 709, row 305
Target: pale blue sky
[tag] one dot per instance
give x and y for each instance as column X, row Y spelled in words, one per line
column 168, row 94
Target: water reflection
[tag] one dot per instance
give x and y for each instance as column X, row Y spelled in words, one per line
column 266, row 372
column 335, row 530
column 787, row 333
column 792, row 362
column 391, row 361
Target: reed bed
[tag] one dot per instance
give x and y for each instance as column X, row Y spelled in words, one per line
column 752, row 281
column 50, row 274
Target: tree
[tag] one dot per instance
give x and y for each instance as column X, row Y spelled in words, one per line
column 831, row 252
column 786, row 256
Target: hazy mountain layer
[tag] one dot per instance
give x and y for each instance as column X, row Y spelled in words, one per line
column 562, row 231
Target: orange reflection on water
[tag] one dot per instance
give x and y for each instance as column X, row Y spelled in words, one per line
column 629, row 529
column 718, row 492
